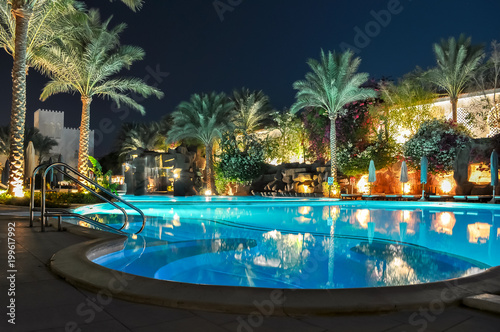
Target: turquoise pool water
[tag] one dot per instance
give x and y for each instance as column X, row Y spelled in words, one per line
column 304, row 243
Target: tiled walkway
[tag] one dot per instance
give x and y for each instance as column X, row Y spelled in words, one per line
column 45, row 302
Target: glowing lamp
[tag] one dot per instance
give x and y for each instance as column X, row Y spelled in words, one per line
column 446, row 186
column 363, row 185
column 208, row 192
column 18, row 191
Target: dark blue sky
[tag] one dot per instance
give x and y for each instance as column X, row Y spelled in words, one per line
column 261, row 45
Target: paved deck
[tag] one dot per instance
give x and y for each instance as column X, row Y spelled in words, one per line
column 44, row 302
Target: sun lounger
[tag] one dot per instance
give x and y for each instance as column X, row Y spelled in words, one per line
column 472, row 198
column 411, row 197
column 440, row 197
column 373, row 196
column 479, row 198
column 350, row 196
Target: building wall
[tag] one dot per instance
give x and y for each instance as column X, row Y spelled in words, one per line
column 471, row 106
column 51, row 123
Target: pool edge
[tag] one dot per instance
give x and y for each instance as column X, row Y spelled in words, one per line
column 73, row 265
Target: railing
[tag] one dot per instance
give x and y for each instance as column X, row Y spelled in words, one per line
column 63, row 169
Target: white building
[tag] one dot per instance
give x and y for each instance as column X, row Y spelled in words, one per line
column 51, row 123
column 471, row 107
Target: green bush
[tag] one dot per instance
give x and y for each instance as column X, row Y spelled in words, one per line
column 53, row 199
column 439, row 141
column 354, row 159
column 240, row 161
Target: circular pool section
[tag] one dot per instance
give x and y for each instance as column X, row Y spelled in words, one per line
column 304, row 243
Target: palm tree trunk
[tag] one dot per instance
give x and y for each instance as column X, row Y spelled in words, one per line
column 83, row 151
column 209, row 166
column 333, row 148
column 18, row 110
column 454, row 102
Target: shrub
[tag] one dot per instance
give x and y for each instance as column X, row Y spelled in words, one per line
column 290, row 144
column 240, row 161
column 355, row 159
column 53, row 199
column 439, row 141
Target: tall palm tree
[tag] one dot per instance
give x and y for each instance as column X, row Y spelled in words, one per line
column 456, row 62
column 25, row 27
column 204, row 117
column 86, row 64
column 251, row 109
column 333, row 83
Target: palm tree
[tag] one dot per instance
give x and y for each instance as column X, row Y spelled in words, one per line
column 333, row 83
column 27, row 25
column 87, row 64
column 406, row 104
column 42, row 144
column 456, row 62
column 140, row 136
column 251, row 109
column 204, row 117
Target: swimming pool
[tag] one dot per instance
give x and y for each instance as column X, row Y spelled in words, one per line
column 293, row 243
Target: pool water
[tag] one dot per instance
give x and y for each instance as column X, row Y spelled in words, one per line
column 304, row 243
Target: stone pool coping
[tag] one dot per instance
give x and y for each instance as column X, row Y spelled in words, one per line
column 75, row 266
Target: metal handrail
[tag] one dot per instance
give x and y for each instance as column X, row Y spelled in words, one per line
column 62, row 213
column 44, row 213
column 99, row 196
column 32, row 191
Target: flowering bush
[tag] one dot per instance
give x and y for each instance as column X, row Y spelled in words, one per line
column 353, row 160
column 354, row 125
column 241, row 160
column 357, row 144
column 439, row 141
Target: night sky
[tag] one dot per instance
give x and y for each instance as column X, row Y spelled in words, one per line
column 261, row 45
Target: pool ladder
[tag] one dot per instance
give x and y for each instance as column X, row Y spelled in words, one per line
column 65, row 169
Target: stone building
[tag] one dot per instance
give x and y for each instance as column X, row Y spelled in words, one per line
column 51, row 123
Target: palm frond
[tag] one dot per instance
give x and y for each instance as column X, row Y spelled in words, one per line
column 332, row 83
column 251, row 109
column 456, row 61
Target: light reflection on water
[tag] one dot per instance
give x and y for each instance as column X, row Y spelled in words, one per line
column 309, row 246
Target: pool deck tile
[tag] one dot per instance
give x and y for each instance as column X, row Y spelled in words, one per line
column 488, row 302
column 354, row 322
column 191, row 324
column 45, row 302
